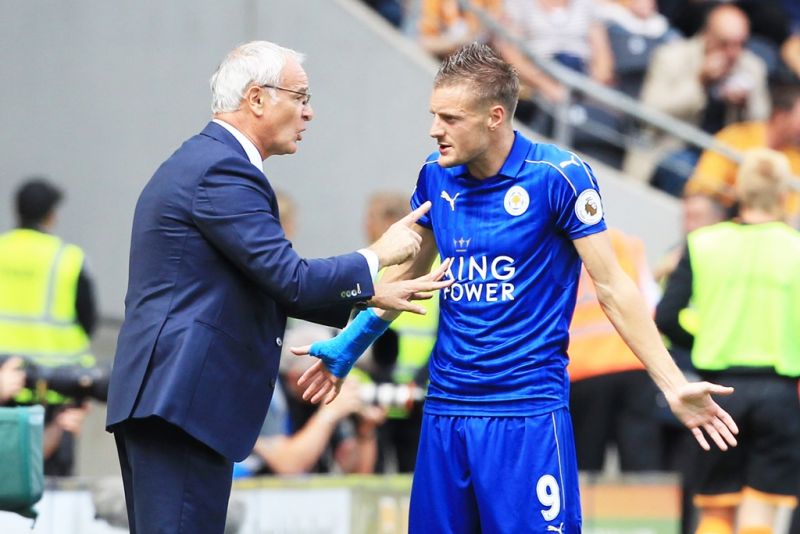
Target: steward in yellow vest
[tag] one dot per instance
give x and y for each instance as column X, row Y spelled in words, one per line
column 38, row 290
column 743, row 280
column 46, row 308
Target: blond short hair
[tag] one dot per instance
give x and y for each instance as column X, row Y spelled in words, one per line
column 763, row 180
column 493, row 80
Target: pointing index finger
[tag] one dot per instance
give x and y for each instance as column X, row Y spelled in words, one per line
column 414, row 216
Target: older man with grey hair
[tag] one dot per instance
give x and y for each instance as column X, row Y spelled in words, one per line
column 212, row 281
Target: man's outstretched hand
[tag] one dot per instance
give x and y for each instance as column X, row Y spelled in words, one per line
column 401, row 294
column 695, row 408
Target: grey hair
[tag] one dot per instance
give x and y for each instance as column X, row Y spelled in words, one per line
column 493, row 80
column 256, row 62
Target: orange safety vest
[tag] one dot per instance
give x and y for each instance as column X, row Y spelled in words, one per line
column 595, row 347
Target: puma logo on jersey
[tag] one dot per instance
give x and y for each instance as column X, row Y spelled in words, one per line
column 452, row 201
column 559, row 528
column 573, row 160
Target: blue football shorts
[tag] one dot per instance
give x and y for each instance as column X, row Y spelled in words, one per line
column 493, row 475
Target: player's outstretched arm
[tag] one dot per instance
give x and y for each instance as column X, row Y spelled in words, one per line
column 626, row 309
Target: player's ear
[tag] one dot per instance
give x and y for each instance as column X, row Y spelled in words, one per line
column 497, row 114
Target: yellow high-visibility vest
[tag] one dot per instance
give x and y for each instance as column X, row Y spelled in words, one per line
column 416, row 336
column 745, row 293
column 38, row 286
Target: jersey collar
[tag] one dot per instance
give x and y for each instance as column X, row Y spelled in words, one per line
column 516, row 158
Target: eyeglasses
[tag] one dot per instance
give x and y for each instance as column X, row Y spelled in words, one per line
column 306, row 95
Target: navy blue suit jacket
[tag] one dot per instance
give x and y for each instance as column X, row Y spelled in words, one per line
column 212, row 279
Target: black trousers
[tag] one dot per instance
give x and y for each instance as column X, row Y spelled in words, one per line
column 173, row 483
column 616, row 408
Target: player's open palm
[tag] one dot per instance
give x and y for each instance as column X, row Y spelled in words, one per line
column 320, row 384
column 695, row 408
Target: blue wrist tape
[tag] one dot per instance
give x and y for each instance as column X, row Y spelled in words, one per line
column 341, row 352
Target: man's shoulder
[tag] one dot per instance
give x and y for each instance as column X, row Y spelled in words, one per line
column 751, row 63
column 208, row 146
column 677, row 52
column 547, row 152
column 743, row 135
column 431, row 162
column 549, row 159
column 202, row 152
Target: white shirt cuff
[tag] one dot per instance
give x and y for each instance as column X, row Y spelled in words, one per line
column 372, row 261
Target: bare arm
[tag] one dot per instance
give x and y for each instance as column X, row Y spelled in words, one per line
column 70, row 419
column 418, row 266
column 12, row 378
column 292, row 455
column 790, row 53
column 601, row 67
column 627, row 311
column 359, row 454
column 295, row 454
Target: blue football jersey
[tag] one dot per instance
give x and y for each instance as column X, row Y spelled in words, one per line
column 503, row 328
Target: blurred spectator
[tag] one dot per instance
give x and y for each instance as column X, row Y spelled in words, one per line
column 716, row 175
column 697, row 210
column 287, row 209
column 391, row 10
column 741, row 280
column 635, row 29
column 571, row 33
column 323, row 438
column 568, row 31
column 774, row 25
column 352, row 444
column 400, row 356
column 47, row 311
column 790, row 49
column 709, row 81
column 444, row 27
column 612, row 399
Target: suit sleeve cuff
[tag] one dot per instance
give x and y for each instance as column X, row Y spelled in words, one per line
column 372, row 261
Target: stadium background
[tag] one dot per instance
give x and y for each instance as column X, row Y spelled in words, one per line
column 98, row 93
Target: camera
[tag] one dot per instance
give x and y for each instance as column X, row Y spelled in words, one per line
column 389, row 395
column 74, row 381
